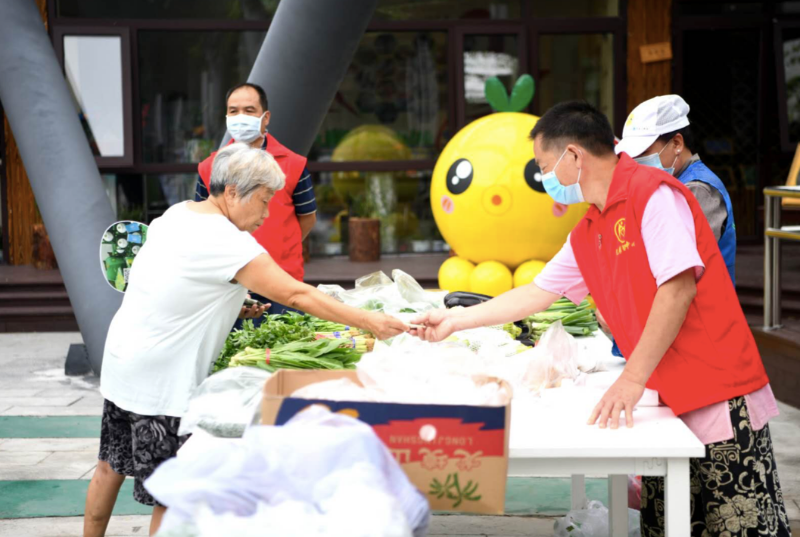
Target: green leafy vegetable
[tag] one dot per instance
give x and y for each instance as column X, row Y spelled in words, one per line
column 320, row 354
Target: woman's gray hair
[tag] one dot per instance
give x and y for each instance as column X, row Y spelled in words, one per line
column 245, row 168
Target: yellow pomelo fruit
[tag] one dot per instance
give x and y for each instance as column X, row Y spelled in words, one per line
column 527, row 271
column 454, row 274
column 491, row 278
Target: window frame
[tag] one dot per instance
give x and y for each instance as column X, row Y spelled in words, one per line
column 461, row 31
column 59, row 33
column 616, row 26
column 780, row 74
column 526, row 27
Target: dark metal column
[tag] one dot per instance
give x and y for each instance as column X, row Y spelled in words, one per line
column 304, row 58
column 65, row 180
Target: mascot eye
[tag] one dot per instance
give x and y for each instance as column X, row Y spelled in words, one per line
column 459, row 176
column 533, row 176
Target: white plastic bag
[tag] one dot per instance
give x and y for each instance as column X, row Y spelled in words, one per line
column 224, row 403
column 592, row 522
column 330, row 468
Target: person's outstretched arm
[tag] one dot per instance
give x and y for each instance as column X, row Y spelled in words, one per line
column 506, row 308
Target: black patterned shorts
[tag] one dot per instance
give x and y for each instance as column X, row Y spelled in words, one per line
column 735, row 491
column 134, row 445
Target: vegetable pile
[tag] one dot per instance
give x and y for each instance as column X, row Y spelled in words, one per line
column 294, row 341
column 577, row 320
column 320, row 354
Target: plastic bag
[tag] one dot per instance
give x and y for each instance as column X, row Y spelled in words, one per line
column 377, row 292
column 554, row 359
column 592, row 522
column 320, row 474
column 635, row 492
column 224, row 403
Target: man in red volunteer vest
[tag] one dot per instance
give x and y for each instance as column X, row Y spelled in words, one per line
column 292, row 211
column 648, row 257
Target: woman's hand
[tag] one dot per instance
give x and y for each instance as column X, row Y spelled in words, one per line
column 384, row 326
column 250, row 312
column 622, row 395
column 437, row 325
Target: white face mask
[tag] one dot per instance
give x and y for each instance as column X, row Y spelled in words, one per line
column 244, row 128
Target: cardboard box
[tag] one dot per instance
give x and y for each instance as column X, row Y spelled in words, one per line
column 457, row 455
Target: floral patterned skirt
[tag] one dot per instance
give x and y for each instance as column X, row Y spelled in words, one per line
column 134, row 445
column 735, row 488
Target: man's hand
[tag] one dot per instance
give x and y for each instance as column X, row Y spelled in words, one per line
column 622, row 395
column 385, row 326
column 250, row 312
column 437, row 325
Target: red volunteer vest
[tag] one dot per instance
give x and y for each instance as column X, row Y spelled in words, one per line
column 280, row 234
column 714, row 357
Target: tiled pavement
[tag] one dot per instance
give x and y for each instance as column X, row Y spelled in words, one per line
column 49, row 429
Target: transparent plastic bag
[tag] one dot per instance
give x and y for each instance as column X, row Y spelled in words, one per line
column 592, row 522
column 377, row 292
column 224, row 404
column 554, row 359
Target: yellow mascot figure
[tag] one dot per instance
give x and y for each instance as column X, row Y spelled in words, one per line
column 489, row 202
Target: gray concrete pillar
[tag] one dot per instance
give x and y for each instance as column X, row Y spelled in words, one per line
column 303, row 60
column 60, row 165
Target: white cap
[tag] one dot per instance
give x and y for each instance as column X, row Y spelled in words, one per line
column 651, row 119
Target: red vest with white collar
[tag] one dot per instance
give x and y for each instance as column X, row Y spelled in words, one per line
column 714, row 357
column 280, row 234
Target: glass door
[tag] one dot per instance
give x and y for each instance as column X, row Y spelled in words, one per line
column 485, row 52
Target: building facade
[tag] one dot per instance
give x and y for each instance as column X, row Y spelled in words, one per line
column 149, row 80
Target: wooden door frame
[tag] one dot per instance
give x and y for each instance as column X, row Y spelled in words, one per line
column 4, row 190
column 760, row 23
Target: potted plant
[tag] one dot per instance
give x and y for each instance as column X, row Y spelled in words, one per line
column 364, row 231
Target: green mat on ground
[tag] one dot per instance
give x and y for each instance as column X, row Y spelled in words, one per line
column 50, row 427
column 32, row 499
column 548, row 496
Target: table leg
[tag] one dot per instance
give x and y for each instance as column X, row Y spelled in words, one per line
column 578, row 492
column 769, row 244
column 618, row 505
column 677, row 498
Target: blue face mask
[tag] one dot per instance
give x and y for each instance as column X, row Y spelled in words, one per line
column 654, row 160
column 565, row 195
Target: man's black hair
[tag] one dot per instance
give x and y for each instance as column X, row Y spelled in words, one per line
column 262, row 95
column 575, row 122
column 688, row 137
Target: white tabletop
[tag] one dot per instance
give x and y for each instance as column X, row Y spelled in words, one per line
column 554, row 425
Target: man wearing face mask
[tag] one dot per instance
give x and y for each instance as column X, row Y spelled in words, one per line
column 657, row 133
column 292, row 211
column 646, row 254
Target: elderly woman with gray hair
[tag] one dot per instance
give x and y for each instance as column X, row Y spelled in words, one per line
column 185, row 291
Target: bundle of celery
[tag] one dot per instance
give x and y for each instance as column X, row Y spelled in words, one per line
column 350, row 340
column 278, row 330
column 319, row 354
column 577, row 320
